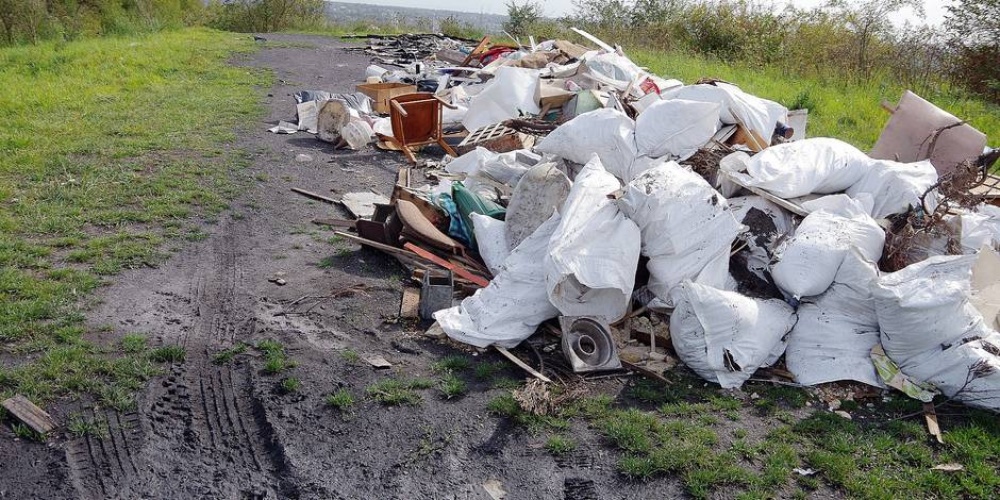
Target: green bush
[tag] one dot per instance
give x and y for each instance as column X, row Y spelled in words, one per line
column 262, row 16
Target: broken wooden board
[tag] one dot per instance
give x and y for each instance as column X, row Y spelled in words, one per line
column 409, row 305
column 457, row 269
column 781, row 202
column 362, row 204
column 32, row 416
column 930, row 416
column 336, row 223
column 310, row 194
column 517, row 361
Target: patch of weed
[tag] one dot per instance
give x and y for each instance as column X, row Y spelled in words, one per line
column 133, row 343
column 450, row 364
column 290, row 385
column 342, row 400
column 80, row 426
column 168, row 354
column 227, row 355
column 275, row 359
column 452, row 386
column 350, row 356
column 560, row 445
column 485, row 370
column 396, row 392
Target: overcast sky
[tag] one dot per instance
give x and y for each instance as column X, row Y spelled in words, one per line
column 935, row 9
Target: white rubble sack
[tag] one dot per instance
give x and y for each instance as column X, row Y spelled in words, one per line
column 592, row 258
column 511, row 92
column 986, row 286
column 894, row 186
column 606, row 131
column 737, row 106
column 761, row 238
column 934, row 333
column 820, row 165
column 724, row 336
column 542, row 189
column 687, row 227
column 491, row 240
column 836, row 332
column 676, row 127
column 510, row 309
column 809, row 260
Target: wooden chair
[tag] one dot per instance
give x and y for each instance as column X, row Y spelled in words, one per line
column 416, row 121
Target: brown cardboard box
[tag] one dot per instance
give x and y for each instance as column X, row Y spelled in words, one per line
column 382, row 92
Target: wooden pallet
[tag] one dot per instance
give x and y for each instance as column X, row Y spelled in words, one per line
column 497, row 138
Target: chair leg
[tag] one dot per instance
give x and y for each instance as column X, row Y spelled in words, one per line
column 445, row 146
column 404, row 148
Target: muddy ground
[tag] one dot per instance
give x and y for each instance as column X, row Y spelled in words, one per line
column 208, row 430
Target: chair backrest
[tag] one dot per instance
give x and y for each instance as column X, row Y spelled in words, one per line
column 422, row 122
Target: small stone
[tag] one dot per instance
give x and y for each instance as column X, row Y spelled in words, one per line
column 303, row 158
column 844, row 414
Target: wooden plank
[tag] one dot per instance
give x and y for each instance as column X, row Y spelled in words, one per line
column 379, row 246
column 458, row 270
column 309, row 194
column 517, row 361
column 409, row 305
column 787, row 205
column 476, row 51
column 930, row 416
column 32, row 416
column 338, row 223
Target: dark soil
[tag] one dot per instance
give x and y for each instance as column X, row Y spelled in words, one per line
column 210, row 430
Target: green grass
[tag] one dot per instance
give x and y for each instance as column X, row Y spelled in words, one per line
column 227, row 355
column 452, row 386
column 168, row 354
column 451, row 364
column 560, row 445
column 837, row 108
column 290, row 385
column 342, row 400
column 110, row 148
column 275, row 358
column 398, row 391
column 80, row 426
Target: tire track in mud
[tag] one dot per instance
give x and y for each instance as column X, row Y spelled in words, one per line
column 201, row 413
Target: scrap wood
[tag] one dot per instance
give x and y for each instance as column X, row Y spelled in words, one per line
column 309, row 194
column 517, row 361
column 535, row 397
column 781, row 202
column 32, row 416
column 455, row 268
column 409, row 304
column 930, row 416
column 338, row 223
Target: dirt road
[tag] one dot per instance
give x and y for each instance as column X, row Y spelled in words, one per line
column 229, row 430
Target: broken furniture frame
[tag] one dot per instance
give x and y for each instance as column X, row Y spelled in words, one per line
column 416, row 121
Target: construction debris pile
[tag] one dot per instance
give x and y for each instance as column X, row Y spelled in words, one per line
column 582, row 196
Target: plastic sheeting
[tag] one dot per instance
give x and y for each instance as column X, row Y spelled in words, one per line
column 836, row 332
column 676, row 127
column 933, row 332
column 894, row 187
column 511, row 92
column 607, row 132
column 724, row 336
column 820, row 165
column 687, row 227
column 510, row 309
column 808, row 261
column 592, row 258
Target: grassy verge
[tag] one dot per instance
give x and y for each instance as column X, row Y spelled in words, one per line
column 719, row 445
column 109, row 148
column 837, row 108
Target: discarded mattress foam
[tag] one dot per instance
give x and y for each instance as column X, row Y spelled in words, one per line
column 687, row 227
column 986, row 286
column 724, row 336
column 932, row 331
column 820, row 165
column 836, row 331
column 607, row 132
column 491, row 240
column 894, row 187
column 676, row 127
column 807, row 263
column 515, row 302
column 592, row 258
column 540, row 191
column 511, row 92
column 738, row 107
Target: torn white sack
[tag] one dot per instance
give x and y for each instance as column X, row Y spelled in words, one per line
column 724, row 336
column 510, row 309
column 592, row 258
